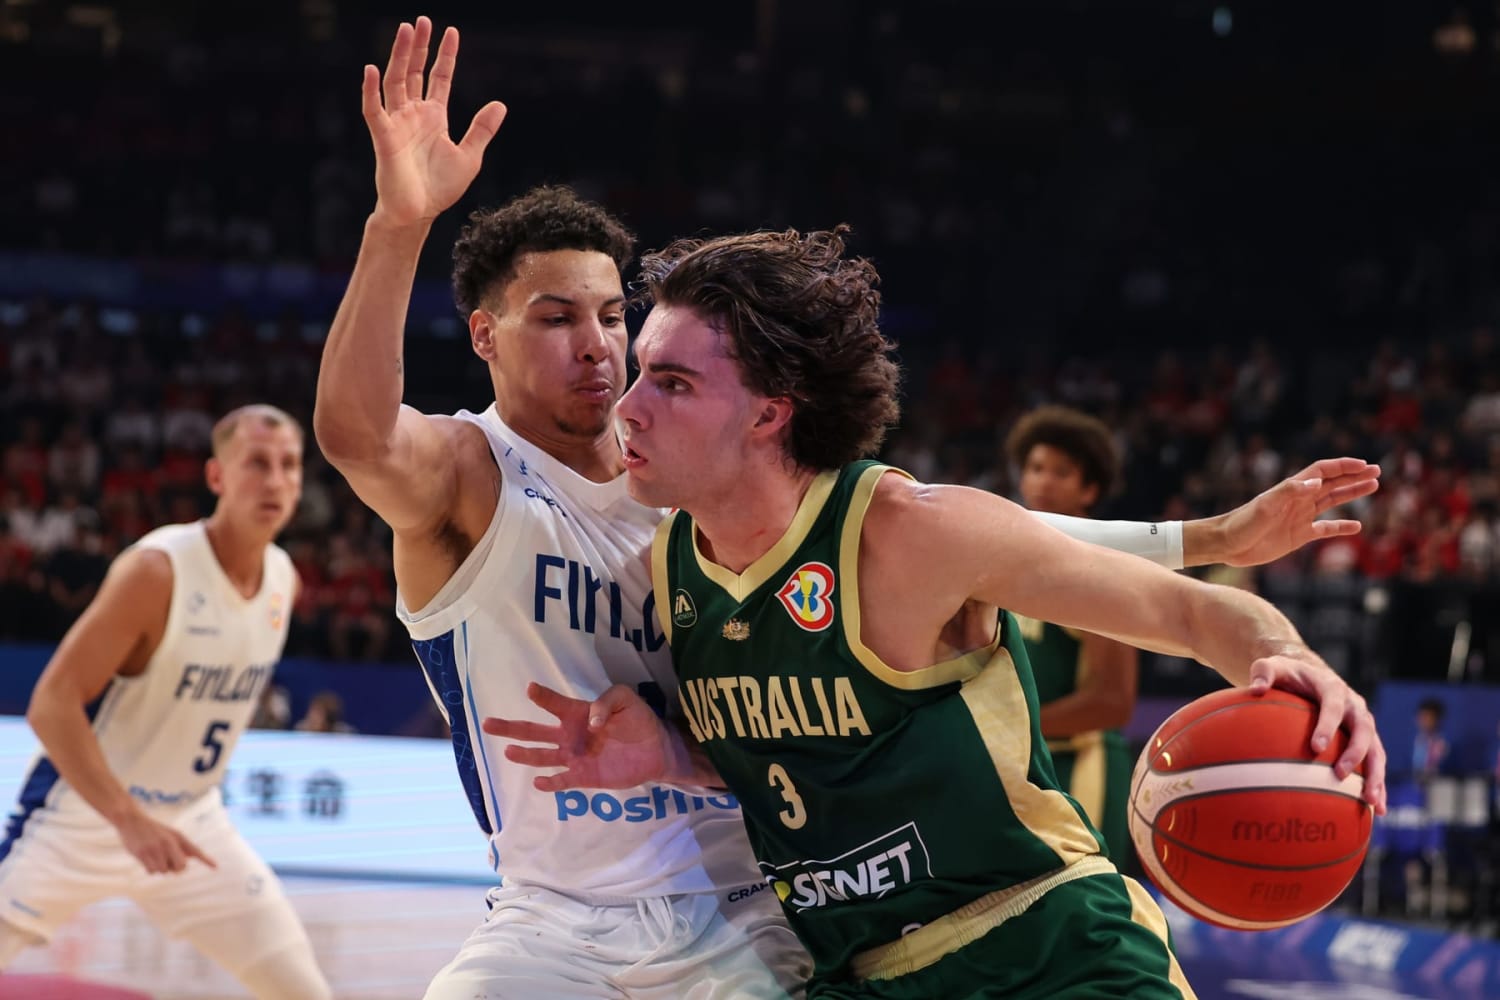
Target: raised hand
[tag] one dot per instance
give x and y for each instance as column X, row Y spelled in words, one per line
column 419, row 169
column 158, row 847
column 615, row 741
column 1285, row 517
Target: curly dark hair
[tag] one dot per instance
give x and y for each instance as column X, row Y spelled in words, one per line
column 1083, row 438
column 551, row 217
column 802, row 321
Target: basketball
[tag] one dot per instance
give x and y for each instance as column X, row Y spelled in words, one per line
column 1236, row 819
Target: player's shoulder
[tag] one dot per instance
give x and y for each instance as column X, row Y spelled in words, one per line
column 142, row 576
column 465, row 438
column 171, row 536
column 931, row 519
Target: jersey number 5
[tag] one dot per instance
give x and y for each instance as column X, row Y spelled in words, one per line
column 212, row 747
column 794, row 815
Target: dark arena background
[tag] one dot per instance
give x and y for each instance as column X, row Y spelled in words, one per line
column 1246, row 235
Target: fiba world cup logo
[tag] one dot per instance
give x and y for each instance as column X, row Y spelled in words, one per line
column 808, row 596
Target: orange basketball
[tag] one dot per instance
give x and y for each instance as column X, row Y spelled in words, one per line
column 1235, row 818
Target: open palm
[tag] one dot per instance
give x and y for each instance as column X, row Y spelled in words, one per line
column 616, row 741
column 1286, row 517
column 419, row 169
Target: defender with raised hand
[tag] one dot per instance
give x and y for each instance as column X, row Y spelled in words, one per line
column 520, row 557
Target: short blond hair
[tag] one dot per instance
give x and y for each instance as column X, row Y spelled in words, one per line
column 268, row 415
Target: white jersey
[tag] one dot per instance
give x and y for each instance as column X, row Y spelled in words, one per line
column 558, row 591
column 167, row 733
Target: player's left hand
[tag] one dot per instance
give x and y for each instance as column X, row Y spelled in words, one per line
column 615, row 741
column 1301, row 670
column 1285, row 517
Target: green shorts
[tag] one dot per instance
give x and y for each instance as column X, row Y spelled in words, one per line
column 1097, row 938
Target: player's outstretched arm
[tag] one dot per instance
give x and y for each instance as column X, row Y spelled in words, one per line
column 117, row 633
column 614, row 741
column 927, row 551
column 399, row 461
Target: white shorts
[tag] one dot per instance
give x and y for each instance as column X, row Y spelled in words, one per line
column 58, row 865
column 539, row 943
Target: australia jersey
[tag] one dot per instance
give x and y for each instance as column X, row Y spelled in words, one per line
column 168, row 732
column 558, row 591
column 877, row 800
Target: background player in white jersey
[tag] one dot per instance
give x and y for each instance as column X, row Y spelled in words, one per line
column 138, row 713
column 520, row 559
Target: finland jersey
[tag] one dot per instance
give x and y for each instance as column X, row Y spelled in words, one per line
column 558, row 591
column 878, row 800
column 168, row 732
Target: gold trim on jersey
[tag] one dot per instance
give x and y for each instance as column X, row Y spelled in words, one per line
column 1144, row 911
column 932, row 941
column 960, row 668
column 997, row 703
column 1089, row 757
column 659, row 573
column 1035, row 630
column 1087, row 785
column 742, row 585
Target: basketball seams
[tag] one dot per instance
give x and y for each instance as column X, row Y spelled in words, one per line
column 1219, row 779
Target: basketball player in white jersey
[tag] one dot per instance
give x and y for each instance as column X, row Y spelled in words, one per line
column 521, row 560
column 138, row 713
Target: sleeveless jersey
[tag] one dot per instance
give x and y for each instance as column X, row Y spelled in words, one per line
column 168, row 732
column 877, row 800
column 558, row 591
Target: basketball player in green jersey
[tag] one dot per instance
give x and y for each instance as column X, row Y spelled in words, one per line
column 1085, row 683
column 848, row 661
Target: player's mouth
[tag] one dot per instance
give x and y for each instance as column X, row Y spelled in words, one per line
column 595, row 390
column 633, row 458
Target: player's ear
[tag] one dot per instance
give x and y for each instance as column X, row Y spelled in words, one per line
column 482, row 334
column 773, row 416
column 213, row 474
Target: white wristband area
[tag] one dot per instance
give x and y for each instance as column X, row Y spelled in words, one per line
column 1158, row 541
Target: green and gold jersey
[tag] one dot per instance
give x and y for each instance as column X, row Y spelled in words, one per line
column 876, row 800
column 1054, row 655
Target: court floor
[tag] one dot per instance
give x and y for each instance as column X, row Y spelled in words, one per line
column 384, row 941
column 375, row 941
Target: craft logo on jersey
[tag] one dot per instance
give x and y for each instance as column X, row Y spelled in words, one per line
column 869, row 871
column 808, row 596
column 684, row 612
column 277, row 611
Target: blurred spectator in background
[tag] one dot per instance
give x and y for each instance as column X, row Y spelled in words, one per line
column 274, row 711
column 1429, row 750
column 325, row 714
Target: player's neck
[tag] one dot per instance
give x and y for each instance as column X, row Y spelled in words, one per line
column 240, row 555
column 745, row 525
column 598, row 459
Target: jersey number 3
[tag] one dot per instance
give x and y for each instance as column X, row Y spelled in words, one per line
column 794, row 816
